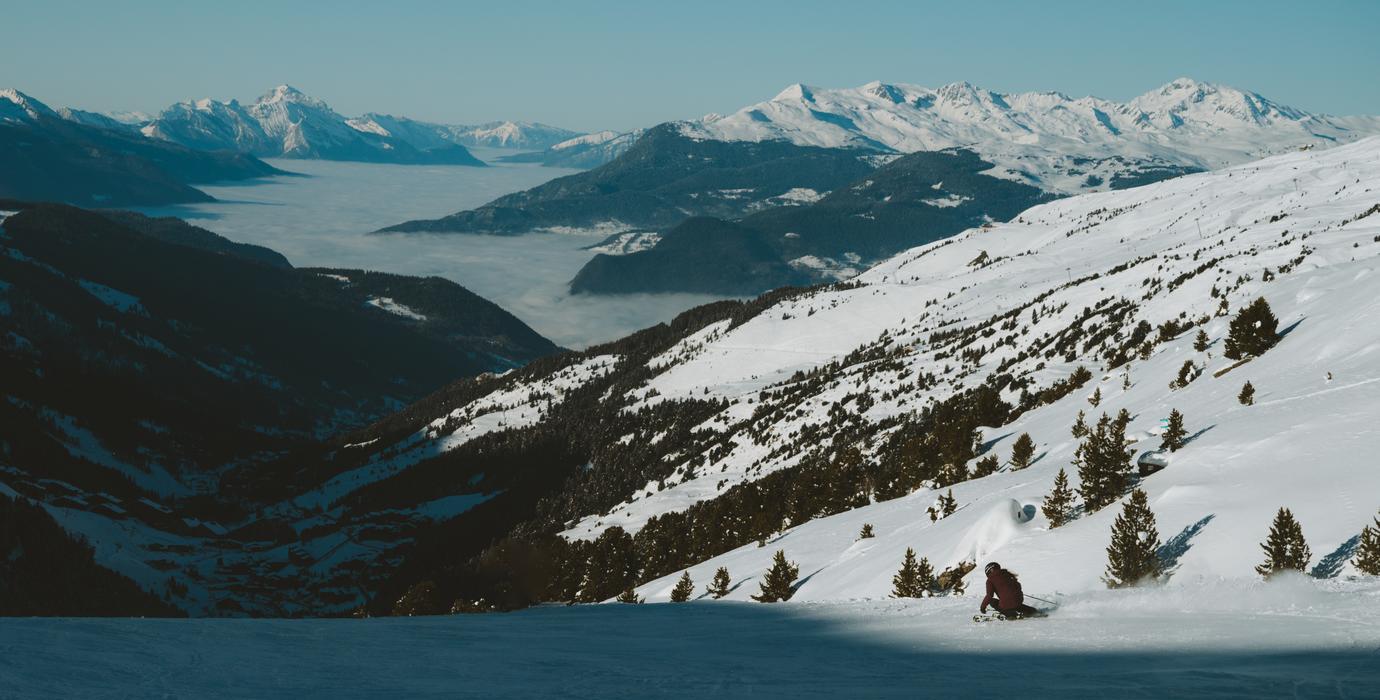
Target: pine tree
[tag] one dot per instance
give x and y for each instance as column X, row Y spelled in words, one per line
column 1080, row 426
column 629, row 596
column 866, row 532
column 1247, row 395
column 1200, row 343
column 1058, row 505
column 1132, row 556
column 1186, row 374
column 776, row 585
column 1096, row 397
column 1174, row 433
column 1285, row 548
column 683, row 590
column 1253, row 331
column 718, row 586
column 1104, row 466
column 948, row 504
column 1368, row 551
column 1021, row 451
column 986, row 466
column 914, row 579
column 1126, row 379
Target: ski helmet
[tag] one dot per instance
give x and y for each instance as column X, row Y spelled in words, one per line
column 991, row 566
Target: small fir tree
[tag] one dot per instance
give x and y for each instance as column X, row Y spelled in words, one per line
column 947, row 504
column 914, row 579
column 1253, row 331
column 1368, row 551
column 1096, row 397
column 718, row 586
column 1187, row 373
column 1132, row 556
column 1200, row 343
column 684, row 589
column 629, row 596
column 1285, row 548
column 1080, row 426
column 1021, row 451
column 866, row 533
column 986, row 466
column 1174, row 433
column 1058, row 505
column 1126, row 380
column 1247, row 395
column 776, row 586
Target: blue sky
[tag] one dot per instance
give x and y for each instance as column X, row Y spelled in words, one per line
column 591, row 65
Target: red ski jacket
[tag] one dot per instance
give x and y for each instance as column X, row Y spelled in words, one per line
column 1003, row 586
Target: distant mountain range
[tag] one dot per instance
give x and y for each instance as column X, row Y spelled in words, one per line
column 1047, row 139
column 287, row 123
column 86, row 159
column 738, row 167
column 585, row 151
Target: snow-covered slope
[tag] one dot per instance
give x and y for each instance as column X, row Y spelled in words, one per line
column 1061, row 286
column 1048, row 139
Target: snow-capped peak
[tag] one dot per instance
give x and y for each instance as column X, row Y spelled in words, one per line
column 17, row 106
column 798, row 92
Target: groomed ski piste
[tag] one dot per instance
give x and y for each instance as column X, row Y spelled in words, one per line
column 1212, row 628
column 1292, row 638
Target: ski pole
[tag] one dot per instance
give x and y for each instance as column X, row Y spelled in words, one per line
column 1042, row 600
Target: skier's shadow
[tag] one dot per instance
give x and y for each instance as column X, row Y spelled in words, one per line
column 1170, row 552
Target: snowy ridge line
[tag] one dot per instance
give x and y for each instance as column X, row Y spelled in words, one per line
column 1059, row 143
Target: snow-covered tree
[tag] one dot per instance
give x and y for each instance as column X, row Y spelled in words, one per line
column 777, row 584
column 866, row 532
column 1253, row 331
column 630, row 596
column 1368, row 551
column 1021, row 451
column 1058, row 504
column 1247, row 395
column 914, row 579
column 1174, row 432
column 1096, row 397
column 718, row 586
column 684, row 589
column 1285, row 548
column 1104, row 465
column 1132, row 556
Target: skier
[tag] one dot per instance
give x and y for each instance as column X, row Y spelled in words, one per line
column 1004, row 594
